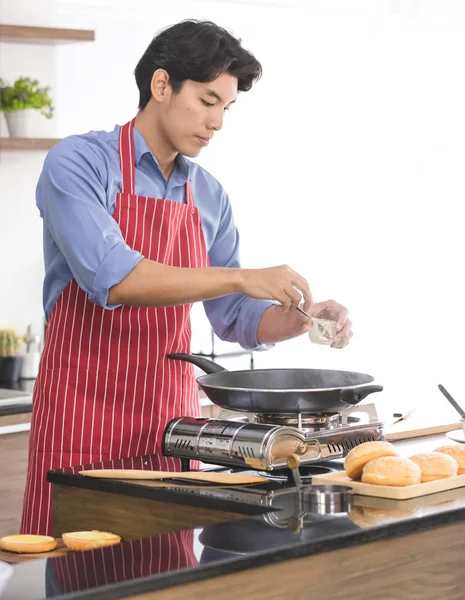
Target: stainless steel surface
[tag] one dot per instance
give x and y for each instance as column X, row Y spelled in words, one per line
column 263, row 446
column 325, row 499
column 301, row 421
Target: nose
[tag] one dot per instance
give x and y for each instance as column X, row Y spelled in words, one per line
column 216, row 122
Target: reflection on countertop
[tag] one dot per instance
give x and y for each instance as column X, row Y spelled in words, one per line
column 181, row 557
column 289, row 530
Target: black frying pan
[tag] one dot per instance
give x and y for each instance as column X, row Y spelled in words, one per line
column 281, row 390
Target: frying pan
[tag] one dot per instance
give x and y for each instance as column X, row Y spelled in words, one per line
column 281, row 391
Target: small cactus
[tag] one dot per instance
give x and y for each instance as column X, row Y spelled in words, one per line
column 10, row 342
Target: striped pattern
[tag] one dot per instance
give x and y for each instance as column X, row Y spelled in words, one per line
column 167, row 552
column 105, row 388
column 78, row 571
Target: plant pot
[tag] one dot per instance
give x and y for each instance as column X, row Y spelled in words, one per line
column 10, row 368
column 23, row 123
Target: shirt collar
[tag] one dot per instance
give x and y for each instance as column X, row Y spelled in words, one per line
column 141, row 148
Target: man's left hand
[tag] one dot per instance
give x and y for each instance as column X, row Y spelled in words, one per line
column 329, row 309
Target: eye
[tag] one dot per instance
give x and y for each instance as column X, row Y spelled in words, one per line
column 209, row 104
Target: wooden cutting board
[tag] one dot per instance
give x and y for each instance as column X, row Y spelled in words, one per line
column 218, row 478
column 388, row 491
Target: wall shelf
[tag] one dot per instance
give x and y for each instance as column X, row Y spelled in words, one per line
column 20, row 34
column 28, row 143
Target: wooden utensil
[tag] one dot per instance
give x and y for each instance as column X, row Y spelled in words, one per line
column 191, row 476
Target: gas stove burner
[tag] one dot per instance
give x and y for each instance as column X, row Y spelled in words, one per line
column 306, row 473
column 265, row 443
column 301, row 421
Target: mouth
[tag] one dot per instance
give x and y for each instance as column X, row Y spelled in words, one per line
column 203, row 140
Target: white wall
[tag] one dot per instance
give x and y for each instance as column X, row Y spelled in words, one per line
column 345, row 161
column 21, row 263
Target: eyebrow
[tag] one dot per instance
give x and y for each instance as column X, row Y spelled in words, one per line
column 213, row 94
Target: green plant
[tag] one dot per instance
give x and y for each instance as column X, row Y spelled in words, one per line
column 25, row 93
column 10, row 342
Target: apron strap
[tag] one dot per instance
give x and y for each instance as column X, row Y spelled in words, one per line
column 127, row 163
column 189, row 196
column 127, row 158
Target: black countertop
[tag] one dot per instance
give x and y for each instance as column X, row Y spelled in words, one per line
column 179, row 558
column 141, row 566
column 16, row 398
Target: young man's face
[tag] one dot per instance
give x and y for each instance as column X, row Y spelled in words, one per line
column 191, row 117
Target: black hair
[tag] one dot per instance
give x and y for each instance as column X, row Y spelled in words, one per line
column 196, row 50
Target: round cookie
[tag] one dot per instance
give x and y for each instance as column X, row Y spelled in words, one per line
column 28, row 544
column 89, row 540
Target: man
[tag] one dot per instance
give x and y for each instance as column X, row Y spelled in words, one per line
column 134, row 233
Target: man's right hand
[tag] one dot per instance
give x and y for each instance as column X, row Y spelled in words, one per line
column 155, row 284
column 281, row 284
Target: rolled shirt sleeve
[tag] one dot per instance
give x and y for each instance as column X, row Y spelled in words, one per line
column 234, row 318
column 72, row 201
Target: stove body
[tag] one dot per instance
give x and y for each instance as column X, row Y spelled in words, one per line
column 263, row 442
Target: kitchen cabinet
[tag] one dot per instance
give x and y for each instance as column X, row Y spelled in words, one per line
column 13, row 467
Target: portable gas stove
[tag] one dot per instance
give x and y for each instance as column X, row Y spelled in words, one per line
column 263, row 442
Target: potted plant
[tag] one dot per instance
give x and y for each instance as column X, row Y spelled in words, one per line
column 11, row 359
column 20, row 103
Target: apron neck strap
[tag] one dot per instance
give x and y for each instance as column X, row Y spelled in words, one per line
column 128, row 162
column 189, row 196
column 127, row 158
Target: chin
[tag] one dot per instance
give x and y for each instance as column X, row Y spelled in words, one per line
column 190, row 152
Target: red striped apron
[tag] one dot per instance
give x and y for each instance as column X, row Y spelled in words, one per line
column 105, row 389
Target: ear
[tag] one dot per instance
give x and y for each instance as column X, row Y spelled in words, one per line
column 159, row 86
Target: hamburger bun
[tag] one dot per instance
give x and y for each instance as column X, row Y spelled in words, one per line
column 435, row 465
column 457, row 452
column 359, row 456
column 89, row 540
column 391, row 470
column 28, row 544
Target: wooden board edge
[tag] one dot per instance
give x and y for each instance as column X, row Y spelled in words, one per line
column 392, row 492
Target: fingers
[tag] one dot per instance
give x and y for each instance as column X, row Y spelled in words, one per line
column 344, row 336
column 330, row 309
column 294, row 297
column 302, row 284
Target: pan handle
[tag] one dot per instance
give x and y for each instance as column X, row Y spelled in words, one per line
column 356, row 395
column 203, row 363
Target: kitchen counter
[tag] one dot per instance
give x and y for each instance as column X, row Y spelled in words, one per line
column 15, row 399
column 383, row 549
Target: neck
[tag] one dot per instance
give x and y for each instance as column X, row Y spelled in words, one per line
column 147, row 125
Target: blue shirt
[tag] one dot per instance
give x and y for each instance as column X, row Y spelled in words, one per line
column 76, row 196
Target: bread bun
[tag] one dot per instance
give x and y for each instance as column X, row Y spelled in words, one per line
column 457, row 452
column 28, row 544
column 435, row 465
column 359, row 456
column 89, row 540
column 391, row 470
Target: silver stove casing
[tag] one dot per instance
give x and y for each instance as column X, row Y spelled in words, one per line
column 261, row 446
